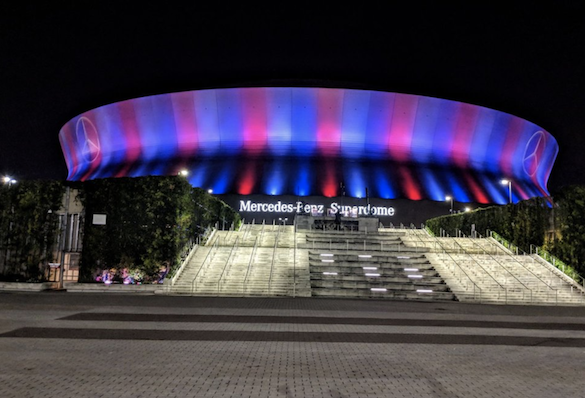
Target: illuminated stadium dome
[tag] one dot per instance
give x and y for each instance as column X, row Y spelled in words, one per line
column 314, row 141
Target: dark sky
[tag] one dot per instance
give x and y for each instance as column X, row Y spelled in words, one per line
column 59, row 61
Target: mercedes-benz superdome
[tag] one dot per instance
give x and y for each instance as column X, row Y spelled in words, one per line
column 315, row 141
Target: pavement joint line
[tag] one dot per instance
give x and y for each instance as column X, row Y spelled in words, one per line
column 301, row 328
column 338, row 314
column 301, row 337
column 126, row 317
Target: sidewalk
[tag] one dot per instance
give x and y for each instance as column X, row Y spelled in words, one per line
column 90, row 345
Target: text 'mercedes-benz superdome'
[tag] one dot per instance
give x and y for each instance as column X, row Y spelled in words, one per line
column 315, row 141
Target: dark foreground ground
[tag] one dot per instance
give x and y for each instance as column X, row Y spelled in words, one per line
column 60, row 344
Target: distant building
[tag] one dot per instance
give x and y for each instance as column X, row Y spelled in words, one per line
column 315, row 142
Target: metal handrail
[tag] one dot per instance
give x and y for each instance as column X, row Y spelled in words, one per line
column 554, row 267
column 295, row 262
column 273, row 255
column 235, row 246
column 523, row 266
column 560, row 274
column 250, row 262
column 246, row 232
column 193, row 248
column 213, row 249
column 262, row 231
column 486, row 271
column 455, row 263
column 553, row 263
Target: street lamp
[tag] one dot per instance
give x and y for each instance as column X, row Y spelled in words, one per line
column 9, row 181
column 450, row 198
column 509, row 183
column 283, row 220
column 184, row 173
column 210, row 191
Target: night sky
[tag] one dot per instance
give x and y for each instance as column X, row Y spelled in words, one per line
column 57, row 62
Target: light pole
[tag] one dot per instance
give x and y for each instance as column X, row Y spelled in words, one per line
column 509, row 183
column 62, row 245
column 450, row 198
column 283, row 220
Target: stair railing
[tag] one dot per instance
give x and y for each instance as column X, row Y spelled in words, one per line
column 512, row 258
column 272, row 262
column 295, row 262
column 227, row 262
column 454, row 262
column 262, row 231
column 553, row 264
column 461, row 249
column 250, row 264
column 192, row 250
column 209, row 257
column 558, row 265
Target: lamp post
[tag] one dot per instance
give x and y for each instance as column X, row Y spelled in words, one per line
column 509, row 183
column 283, row 220
column 450, row 198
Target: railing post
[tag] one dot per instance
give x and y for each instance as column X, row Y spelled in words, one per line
column 295, row 267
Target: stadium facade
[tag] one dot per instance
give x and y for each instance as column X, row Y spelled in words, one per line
column 326, row 142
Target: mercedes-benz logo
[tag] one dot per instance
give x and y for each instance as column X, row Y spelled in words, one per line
column 533, row 152
column 88, row 138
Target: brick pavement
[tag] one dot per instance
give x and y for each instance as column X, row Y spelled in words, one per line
column 125, row 346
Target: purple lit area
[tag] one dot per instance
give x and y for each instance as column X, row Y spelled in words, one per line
column 315, row 141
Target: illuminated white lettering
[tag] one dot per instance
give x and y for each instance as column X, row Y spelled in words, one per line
column 244, row 206
column 334, row 208
column 299, row 207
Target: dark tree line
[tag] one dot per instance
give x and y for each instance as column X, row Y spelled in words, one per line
column 149, row 222
column 28, row 228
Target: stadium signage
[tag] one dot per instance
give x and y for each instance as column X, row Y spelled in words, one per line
column 321, row 209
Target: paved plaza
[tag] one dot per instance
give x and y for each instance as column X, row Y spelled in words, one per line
column 59, row 344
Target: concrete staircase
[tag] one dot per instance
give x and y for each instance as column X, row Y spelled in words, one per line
column 274, row 260
column 373, row 265
column 257, row 260
column 481, row 270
